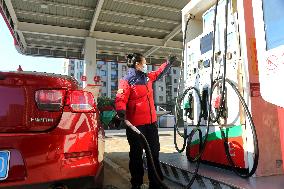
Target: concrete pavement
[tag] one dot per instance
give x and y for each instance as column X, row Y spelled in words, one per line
column 117, row 149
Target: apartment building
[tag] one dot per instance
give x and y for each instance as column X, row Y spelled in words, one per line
column 74, row 68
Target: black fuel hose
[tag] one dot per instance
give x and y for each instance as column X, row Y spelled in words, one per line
column 149, row 155
column 202, row 144
column 189, row 137
column 254, row 135
column 148, row 152
column 146, row 147
column 176, row 126
column 221, row 110
column 189, row 140
column 223, row 78
column 194, row 174
column 179, row 118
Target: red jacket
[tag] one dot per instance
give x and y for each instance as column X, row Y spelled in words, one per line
column 135, row 95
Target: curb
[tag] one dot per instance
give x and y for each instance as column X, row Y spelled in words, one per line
column 121, row 171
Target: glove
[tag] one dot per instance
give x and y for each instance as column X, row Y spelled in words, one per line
column 118, row 118
column 172, row 59
column 120, row 115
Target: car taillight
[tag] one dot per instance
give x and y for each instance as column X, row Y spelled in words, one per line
column 77, row 154
column 49, row 100
column 81, row 101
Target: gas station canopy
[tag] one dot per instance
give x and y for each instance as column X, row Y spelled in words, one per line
column 59, row 28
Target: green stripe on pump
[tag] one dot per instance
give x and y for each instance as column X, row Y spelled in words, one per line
column 234, row 131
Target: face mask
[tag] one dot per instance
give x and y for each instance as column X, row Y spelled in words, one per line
column 144, row 69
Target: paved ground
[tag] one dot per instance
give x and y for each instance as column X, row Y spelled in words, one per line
column 116, row 156
column 113, row 180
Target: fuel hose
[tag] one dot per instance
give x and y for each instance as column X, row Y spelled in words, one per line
column 148, row 152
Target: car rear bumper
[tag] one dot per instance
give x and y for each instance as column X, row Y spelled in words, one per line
column 74, row 183
column 44, row 161
column 86, row 182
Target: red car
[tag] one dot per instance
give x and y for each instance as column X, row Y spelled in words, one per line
column 50, row 133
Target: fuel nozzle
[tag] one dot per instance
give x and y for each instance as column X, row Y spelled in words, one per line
column 219, row 104
column 188, row 107
column 217, row 101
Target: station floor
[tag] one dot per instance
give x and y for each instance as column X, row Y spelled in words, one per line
column 117, row 148
column 116, row 156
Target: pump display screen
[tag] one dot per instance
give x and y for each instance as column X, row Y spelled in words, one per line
column 274, row 22
column 206, row 43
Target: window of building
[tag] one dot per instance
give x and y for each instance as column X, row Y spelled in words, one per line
column 161, row 88
column 169, row 98
column 161, row 80
column 175, row 90
column 175, row 80
column 174, row 71
column 104, row 84
column 72, row 74
column 114, row 65
column 161, row 98
column 123, row 68
column 114, row 88
column 103, row 73
column 100, row 64
column 114, row 73
column 113, row 84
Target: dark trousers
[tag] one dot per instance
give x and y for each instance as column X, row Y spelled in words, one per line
column 150, row 131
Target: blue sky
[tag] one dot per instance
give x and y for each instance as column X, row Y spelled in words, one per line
column 10, row 59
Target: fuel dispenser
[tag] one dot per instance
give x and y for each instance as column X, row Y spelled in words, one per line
column 222, row 117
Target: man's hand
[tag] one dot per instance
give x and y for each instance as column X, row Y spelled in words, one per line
column 120, row 115
column 118, row 118
column 172, row 59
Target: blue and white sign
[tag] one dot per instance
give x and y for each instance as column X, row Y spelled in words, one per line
column 4, row 164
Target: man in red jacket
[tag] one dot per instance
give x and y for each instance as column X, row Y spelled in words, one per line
column 135, row 102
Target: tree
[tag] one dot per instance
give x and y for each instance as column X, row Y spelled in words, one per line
column 107, row 112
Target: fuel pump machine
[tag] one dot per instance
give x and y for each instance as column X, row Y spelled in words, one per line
column 220, row 64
